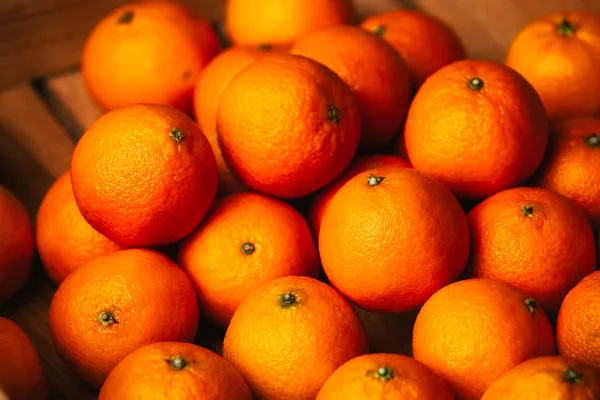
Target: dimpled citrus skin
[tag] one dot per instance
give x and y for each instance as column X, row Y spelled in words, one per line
column 425, row 43
column 148, row 296
column 223, row 274
column 358, row 379
column 288, row 352
column 547, row 378
column 562, row 69
column 381, row 85
column 64, row 239
column 544, row 250
column 389, row 247
column 147, row 374
column 473, row 331
column 360, row 164
column 16, row 245
column 210, row 86
column 287, row 125
column 257, row 22
column 21, row 373
column 147, row 52
column 572, row 166
column 577, row 325
column 476, row 141
column 137, row 182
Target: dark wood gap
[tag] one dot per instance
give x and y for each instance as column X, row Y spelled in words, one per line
column 57, row 108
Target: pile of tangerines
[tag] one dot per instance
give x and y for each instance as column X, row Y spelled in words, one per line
column 329, row 166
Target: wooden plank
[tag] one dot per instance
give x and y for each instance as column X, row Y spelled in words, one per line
column 34, row 150
column 487, row 27
column 40, row 37
column 69, row 90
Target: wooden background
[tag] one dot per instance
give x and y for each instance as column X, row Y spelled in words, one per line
column 44, row 110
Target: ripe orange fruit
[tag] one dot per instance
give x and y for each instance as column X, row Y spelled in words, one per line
column 246, row 240
column 148, row 51
column 557, row 54
column 391, row 237
column 381, row 85
column 384, row 376
column 64, row 239
column 16, row 245
column 210, row 86
column 289, row 335
column 552, row 377
column 257, row 22
column 360, row 164
column 287, row 125
column 572, row 165
column 144, row 175
column 473, row 331
column 577, row 324
column 21, row 374
column 424, row 42
column 534, row 239
column 478, row 127
column 183, row 370
column 116, row 304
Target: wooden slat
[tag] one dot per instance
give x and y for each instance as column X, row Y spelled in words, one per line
column 487, row 27
column 41, row 37
column 34, row 150
column 69, row 90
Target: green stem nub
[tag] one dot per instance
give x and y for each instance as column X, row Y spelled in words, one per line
column 531, row 305
column 248, row 248
column 288, row 299
column 476, row 84
column 106, row 318
column 385, row 373
column 592, row 140
column 572, row 376
column 176, row 135
column 379, row 30
column 265, row 47
column 565, row 28
column 527, row 210
column 334, row 114
column 374, row 180
column 126, row 17
column 177, row 363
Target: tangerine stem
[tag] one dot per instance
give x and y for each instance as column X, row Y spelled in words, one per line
column 177, row 363
column 592, row 140
column 126, row 17
column 566, row 28
column 572, row 376
column 374, row 180
column 248, row 248
column 287, row 299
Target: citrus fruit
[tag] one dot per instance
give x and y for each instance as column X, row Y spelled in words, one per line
column 478, row 127
column 534, row 239
column 181, row 370
column 148, row 51
column 550, row 377
column 287, row 125
column 384, row 376
column 246, row 240
column 572, row 165
column 473, row 331
column 21, row 374
column 360, row 164
column 257, row 22
column 391, row 237
column 211, row 83
column 557, row 54
column 144, row 175
column 64, row 239
column 425, row 42
column 16, row 245
column 289, row 335
column 577, row 324
column 381, row 85
column 117, row 303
